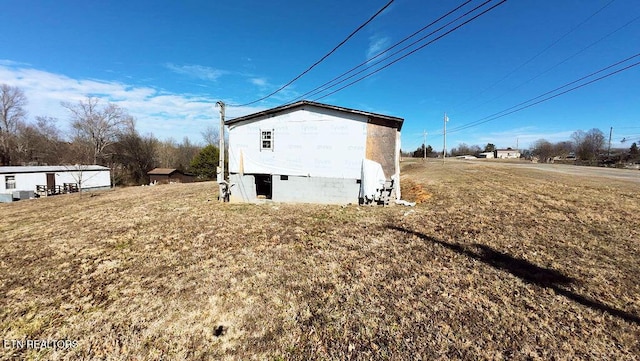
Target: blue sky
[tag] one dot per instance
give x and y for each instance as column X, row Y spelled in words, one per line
column 168, row 62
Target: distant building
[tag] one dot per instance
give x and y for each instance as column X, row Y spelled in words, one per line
column 485, row 155
column 308, row 152
column 506, row 153
column 47, row 180
column 169, row 175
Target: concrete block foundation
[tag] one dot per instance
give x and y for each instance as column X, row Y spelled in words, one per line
column 297, row 189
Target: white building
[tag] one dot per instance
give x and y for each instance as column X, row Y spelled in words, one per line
column 506, row 153
column 310, row 152
column 15, row 179
column 486, row 155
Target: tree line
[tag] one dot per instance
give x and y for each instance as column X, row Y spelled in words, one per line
column 588, row 147
column 100, row 133
column 461, row 149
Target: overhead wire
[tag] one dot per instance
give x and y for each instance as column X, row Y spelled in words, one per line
column 540, row 52
column 384, row 51
column 321, row 59
column 411, row 52
column 558, row 64
column 521, row 106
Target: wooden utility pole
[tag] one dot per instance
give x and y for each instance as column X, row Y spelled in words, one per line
column 220, row 178
column 444, row 150
column 424, row 145
column 609, row 150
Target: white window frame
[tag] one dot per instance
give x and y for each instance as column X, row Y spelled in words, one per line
column 266, row 137
column 10, row 182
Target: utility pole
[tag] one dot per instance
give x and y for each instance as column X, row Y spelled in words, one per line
column 444, row 150
column 220, row 178
column 609, row 150
column 424, row 146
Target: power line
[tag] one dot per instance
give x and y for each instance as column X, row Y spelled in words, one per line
column 400, row 51
column 540, row 52
column 521, row 106
column 386, row 50
column 557, row 64
column 480, row 121
column 323, row 58
column 409, row 53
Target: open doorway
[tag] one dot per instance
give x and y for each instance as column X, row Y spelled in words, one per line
column 263, row 186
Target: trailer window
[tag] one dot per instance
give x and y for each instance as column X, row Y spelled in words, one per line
column 10, row 182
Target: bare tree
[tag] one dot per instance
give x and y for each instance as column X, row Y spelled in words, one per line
column 167, row 152
column 211, row 136
column 134, row 155
column 563, row 149
column 97, row 126
column 12, row 113
column 588, row 145
column 39, row 143
column 464, row 149
column 543, row 149
column 185, row 153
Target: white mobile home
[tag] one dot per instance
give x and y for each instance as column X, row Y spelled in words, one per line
column 27, row 179
column 311, row 153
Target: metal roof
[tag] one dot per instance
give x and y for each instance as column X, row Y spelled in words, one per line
column 162, row 171
column 302, row 103
column 50, row 168
column 167, row 171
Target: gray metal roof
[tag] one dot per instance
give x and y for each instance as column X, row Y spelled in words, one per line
column 50, row 168
column 302, row 103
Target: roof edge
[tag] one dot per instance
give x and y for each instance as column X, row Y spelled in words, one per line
column 300, row 103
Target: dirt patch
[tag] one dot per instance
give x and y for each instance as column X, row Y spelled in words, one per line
column 413, row 192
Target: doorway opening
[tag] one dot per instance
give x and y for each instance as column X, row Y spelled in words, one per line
column 263, row 186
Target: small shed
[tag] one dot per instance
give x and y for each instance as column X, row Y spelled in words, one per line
column 169, row 175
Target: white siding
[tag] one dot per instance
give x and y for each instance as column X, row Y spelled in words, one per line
column 24, row 181
column 90, row 178
column 29, row 181
column 309, row 141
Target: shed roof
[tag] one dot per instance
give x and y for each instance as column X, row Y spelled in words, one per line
column 162, row 171
column 302, row 103
column 50, row 168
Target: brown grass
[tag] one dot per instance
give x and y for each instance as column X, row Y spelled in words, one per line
column 500, row 263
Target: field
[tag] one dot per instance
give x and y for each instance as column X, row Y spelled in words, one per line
column 496, row 262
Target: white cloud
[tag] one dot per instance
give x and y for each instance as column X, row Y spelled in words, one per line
column 377, row 43
column 196, row 71
column 261, row 82
column 8, row 62
column 162, row 113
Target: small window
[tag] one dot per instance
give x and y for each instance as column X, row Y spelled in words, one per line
column 284, row 177
column 10, row 182
column 266, row 140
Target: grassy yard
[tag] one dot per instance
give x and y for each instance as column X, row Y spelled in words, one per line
column 495, row 263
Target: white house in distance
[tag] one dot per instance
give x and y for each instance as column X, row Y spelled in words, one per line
column 16, row 179
column 506, row 153
column 308, row 152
